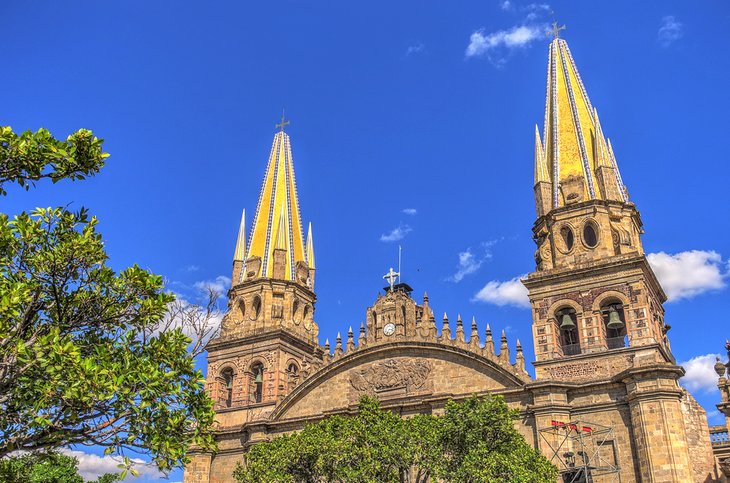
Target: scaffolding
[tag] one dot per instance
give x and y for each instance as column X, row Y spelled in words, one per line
column 584, row 452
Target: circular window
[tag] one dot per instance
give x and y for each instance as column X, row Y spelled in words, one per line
column 590, row 237
column 256, row 307
column 566, row 238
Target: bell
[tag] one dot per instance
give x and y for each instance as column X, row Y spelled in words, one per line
column 614, row 321
column 259, row 378
column 566, row 322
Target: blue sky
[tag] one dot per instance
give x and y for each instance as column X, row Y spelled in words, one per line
column 390, row 110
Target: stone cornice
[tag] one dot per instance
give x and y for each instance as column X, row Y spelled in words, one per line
column 262, row 336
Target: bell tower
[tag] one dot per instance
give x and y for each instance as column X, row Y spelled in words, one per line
column 596, row 304
column 593, row 289
column 268, row 339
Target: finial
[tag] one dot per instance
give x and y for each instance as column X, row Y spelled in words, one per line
column 504, row 337
column 473, row 322
column 458, row 320
column 555, row 30
column 283, row 122
column 350, row 340
column 719, row 368
column 425, row 297
column 519, row 346
column 489, row 330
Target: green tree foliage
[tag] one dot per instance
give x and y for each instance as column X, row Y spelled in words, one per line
column 81, row 359
column 474, row 441
column 45, row 468
column 31, row 156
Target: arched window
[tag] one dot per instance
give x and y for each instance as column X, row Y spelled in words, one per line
column 403, row 312
column 294, row 310
column 256, row 307
column 614, row 320
column 566, row 234
column 567, row 322
column 227, row 376
column 305, row 316
column 258, row 382
column 242, row 308
column 292, row 373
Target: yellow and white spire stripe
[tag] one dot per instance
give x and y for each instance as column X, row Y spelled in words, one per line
column 277, row 222
column 573, row 143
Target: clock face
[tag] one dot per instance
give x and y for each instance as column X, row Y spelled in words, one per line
column 389, row 329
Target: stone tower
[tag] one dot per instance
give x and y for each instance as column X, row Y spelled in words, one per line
column 596, row 303
column 268, row 339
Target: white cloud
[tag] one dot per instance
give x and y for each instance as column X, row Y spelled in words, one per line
column 221, row 284
column 415, row 48
column 700, row 373
column 396, row 234
column 409, row 211
column 687, row 274
column 670, row 31
column 92, row 466
column 505, row 5
column 481, row 44
column 470, row 263
column 511, row 292
column 191, row 268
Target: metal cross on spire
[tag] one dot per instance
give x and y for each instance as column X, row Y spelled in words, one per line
column 283, row 122
column 391, row 277
column 555, row 31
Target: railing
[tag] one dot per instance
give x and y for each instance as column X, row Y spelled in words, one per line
column 571, row 349
column 719, row 436
column 616, row 342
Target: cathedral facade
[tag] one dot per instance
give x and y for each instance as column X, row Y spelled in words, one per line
column 604, row 403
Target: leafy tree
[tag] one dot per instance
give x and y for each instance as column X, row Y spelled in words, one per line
column 32, row 156
column 81, row 358
column 474, row 441
column 479, row 442
column 45, row 468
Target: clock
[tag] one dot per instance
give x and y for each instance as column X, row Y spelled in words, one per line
column 389, row 329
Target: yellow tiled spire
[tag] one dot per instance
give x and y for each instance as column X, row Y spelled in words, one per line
column 310, row 248
column 574, row 145
column 541, row 170
column 277, row 222
column 239, row 254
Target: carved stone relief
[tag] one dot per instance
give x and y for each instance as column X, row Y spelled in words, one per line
column 390, row 374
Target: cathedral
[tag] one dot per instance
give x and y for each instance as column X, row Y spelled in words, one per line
column 604, row 403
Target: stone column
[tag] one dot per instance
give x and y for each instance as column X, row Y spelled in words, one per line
column 198, row 470
column 657, row 422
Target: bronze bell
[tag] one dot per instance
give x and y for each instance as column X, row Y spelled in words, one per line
column 566, row 322
column 614, row 321
column 259, row 378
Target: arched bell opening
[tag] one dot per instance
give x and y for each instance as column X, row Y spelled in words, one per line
column 567, row 322
column 257, row 385
column 614, row 322
column 227, row 376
